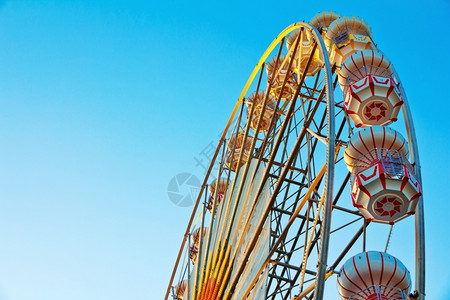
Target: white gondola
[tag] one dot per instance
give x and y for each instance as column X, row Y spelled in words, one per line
column 257, row 100
column 345, row 36
column 371, row 96
column 303, row 54
column 180, row 290
column 277, row 73
column 385, row 188
column 373, row 275
column 221, row 187
column 195, row 237
column 323, row 19
column 236, row 146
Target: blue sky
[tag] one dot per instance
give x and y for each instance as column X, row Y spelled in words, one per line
column 103, row 102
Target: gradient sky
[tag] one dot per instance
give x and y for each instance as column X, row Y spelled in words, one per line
column 103, row 102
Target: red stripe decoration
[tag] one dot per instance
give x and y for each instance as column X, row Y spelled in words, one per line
column 370, row 269
column 404, row 141
column 362, row 141
column 342, row 296
column 350, row 156
column 393, row 142
column 350, row 112
column 343, row 287
column 351, row 57
column 404, row 275
column 407, row 288
column 373, row 57
column 357, row 87
column 399, row 103
column 370, row 176
column 353, row 146
column 364, row 61
column 415, row 197
column 340, row 74
column 351, row 72
column 353, row 196
column 373, row 138
column 381, row 61
column 364, row 144
column 371, row 85
column 345, row 66
column 380, row 81
column 354, row 95
column 389, row 65
column 391, row 87
column 389, row 91
column 356, row 204
column 382, row 267
column 382, row 176
column 393, row 273
column 348, row 278
column 357, row 272
column 362, row 189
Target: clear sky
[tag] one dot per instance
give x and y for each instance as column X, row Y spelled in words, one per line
column 103, row 102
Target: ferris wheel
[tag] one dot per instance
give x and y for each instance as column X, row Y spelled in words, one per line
column 319, row 147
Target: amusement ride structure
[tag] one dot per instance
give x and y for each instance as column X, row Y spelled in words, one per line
column 313, row 157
